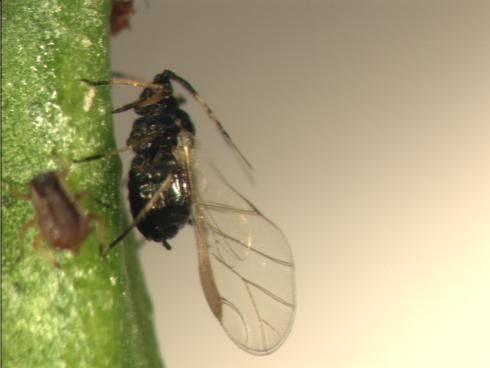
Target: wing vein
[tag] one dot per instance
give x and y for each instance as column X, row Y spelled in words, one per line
column 218, row 231
column 257, row 286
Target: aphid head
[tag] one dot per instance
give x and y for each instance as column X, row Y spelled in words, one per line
column 164, row 81
column 157, row 101
column 44, row 182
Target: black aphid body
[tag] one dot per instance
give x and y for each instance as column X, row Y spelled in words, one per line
column 233, row 237
column 153, row 139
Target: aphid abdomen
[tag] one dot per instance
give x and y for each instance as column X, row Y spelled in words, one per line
column 149, row 169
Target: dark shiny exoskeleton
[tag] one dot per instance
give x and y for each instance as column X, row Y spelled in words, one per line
column 153, row 138
column 244, row 261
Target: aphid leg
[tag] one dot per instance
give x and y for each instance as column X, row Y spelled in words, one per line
column 90, row 216
column 96, row 218
column 19, row 195
column 42, row 252
column 187, row 86
column 134, row 83
column 63, row 173
column 100, row 231
column 23, row 230
column 142, row 103
column 128, row 106
column 22, row 234
column 101, row 155
column 166, row 244
column 10, row 188
column 127, row 82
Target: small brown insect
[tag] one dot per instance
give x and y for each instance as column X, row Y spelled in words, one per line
column 122, row 11
column 60, row 220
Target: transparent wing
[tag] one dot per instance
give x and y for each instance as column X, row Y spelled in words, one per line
column 245, row 263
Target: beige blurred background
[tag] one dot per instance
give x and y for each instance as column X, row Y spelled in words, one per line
column 367, row 123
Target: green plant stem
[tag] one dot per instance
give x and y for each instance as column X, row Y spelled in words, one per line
column 89, row 312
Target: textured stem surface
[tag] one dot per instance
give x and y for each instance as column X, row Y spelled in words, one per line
column 89, row 312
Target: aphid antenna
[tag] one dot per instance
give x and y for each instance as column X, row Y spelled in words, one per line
column 133, row 83
column 189, row 88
